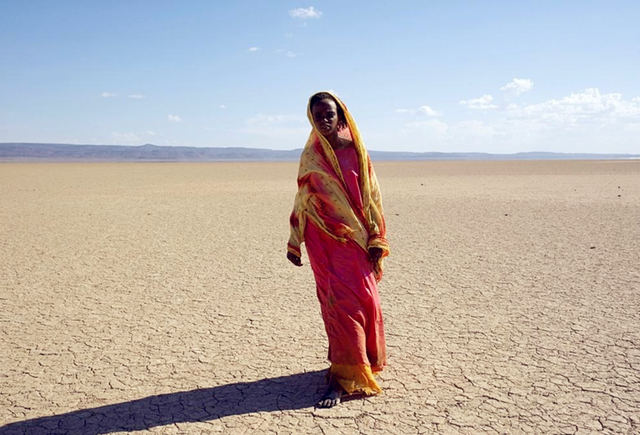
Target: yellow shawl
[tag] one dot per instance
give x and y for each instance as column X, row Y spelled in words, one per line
column 324, row 198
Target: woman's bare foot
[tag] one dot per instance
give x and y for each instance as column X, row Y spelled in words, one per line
column 331, row 396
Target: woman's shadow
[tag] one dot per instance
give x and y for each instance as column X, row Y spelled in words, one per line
column 274, row 394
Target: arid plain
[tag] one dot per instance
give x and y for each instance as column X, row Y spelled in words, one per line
column 156, row 297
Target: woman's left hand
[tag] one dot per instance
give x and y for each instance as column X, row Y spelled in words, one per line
column 375, row 254
column 294, row 259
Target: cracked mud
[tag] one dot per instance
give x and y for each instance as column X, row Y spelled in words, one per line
column 156, row 298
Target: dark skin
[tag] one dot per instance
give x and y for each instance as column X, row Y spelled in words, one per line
column 325, row 119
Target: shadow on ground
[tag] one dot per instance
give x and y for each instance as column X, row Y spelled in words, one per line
column 274, row 394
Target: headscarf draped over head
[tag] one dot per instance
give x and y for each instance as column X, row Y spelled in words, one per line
column 324, row 198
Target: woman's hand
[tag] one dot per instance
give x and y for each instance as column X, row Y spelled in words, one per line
column 294, row 259
column 375, row 254
column 374, row 257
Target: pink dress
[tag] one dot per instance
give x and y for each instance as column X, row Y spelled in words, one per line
column 348, row 295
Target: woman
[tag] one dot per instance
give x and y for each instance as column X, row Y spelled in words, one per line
column 338, row 215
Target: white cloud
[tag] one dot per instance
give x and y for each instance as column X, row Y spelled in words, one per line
column 587, row 121
column 108, row 95
column 150, row 133
column 174, row 118
column 481, row 103
column 305, row 13
column 252, row 49
column 429, row 111
column 424, row 110
column 288, row 35
column 282, row 52
column 137, row 96
column 588, row 106
column 517, row 87
column 222, row 106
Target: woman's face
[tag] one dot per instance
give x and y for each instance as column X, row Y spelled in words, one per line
column 325, row 116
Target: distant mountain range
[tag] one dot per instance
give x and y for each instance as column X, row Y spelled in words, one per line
column 154, row 153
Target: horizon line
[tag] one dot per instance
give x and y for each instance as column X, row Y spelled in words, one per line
column 300, row 149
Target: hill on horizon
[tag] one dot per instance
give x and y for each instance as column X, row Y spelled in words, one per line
column 149, row 152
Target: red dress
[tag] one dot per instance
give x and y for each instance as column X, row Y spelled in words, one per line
column 348, row 295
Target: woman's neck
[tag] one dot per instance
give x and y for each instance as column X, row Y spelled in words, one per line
column 336, row 142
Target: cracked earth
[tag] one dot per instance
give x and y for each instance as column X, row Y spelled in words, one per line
column 156, row 298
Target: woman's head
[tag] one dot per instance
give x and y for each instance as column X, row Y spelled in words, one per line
column 326, row 113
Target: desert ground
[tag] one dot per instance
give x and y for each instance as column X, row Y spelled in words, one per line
column 156, row 298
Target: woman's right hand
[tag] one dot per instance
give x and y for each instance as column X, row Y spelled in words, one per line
column 294, row 259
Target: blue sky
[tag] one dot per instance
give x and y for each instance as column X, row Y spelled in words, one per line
column 493, row 76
